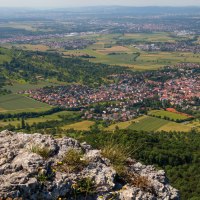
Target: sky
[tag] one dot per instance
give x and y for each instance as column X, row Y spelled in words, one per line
column 80, row 3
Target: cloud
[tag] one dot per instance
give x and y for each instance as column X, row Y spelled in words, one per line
column 79, row 3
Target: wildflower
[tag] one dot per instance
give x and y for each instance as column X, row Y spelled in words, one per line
column 74, row 186
column 53, row 170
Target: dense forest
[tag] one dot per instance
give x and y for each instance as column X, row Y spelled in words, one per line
column 177, row 153
column 31, row 66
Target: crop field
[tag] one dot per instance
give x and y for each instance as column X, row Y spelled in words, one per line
column 150, row 37
column 123, row 125
column 106, row 50
column 114, row 49
column 80, row 126
column 126, row 55
column 15, row 103
column 147, row 123
column 171, row 115
column 172, row 126
column 145, row 61
column 25, row 26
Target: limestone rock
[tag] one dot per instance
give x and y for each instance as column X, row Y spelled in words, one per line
column 26, row 174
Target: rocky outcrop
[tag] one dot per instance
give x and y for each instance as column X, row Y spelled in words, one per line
column 36, row 166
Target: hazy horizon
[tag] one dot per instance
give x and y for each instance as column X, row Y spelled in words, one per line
column 86, row 3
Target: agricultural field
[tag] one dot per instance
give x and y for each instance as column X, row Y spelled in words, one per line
column 147, row 123
column 30, row 121
column 122, row 125
column 15, row 103
column 80, row 126
column 150, row 37
column 15, row 25
column 106, row 51
column 170, row 115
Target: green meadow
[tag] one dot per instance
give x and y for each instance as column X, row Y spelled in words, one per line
column 16, row 103
column 171, row 115
column 148, row 123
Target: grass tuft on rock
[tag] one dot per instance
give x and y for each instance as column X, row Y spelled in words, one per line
column 73, row 160
column 117, row 154
column 42, row 151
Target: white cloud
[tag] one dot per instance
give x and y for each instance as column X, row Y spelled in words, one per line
column 78, row 3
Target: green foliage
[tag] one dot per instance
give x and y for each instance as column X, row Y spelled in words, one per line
column 74, row 160
column 117, row 154
column 42, row 151
column 177, row 153
column 84, row 186
column 29, row 65
column 42, row 178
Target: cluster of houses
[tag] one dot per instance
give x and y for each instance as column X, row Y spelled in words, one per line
column 184, row 89
column 180, row 88
column 68, row 44
column 172, row 47
column 38, row 39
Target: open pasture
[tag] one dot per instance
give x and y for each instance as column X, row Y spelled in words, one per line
column 15, row 103
column 151, row 37
column 106, row 51
column 30, row 121
column 114, row 49
column 147, row 123
column 80, row 126
column 170, row 115
column 15, row 25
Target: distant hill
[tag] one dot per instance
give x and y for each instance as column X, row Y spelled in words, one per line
column 95, row 10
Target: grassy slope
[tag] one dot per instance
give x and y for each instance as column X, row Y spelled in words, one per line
column 163, row 113
column 45, row 118
column 147, row 123
column 84, row 125
column 14, row 103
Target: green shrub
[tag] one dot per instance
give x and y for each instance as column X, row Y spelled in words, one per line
column 84, row 186
column 42, row 151
column 117, row 154
column 74, row 161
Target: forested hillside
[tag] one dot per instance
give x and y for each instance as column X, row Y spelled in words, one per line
column 177, row 153
column 31, row 66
